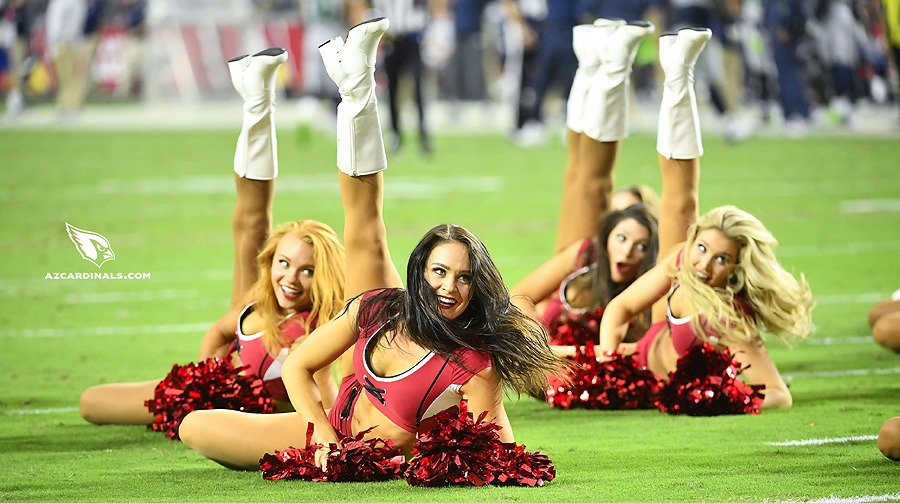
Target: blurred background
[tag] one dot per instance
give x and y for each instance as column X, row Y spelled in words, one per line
column 774, row 67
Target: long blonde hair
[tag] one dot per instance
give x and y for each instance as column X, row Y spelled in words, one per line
column 326, row 293
column 782, row 304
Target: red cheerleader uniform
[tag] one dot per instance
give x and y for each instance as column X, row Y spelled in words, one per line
column 253, row 352
column 683, row 336
column 410, row 398
column 558, row 310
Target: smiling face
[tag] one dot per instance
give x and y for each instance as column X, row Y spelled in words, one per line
column 292, row 273
column 714, row 256
column 448, row 272
column 627, row 244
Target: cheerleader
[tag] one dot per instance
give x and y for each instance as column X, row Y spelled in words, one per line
column 723, row 285
column 285, row 284
column 590, row 268
column 452, row 334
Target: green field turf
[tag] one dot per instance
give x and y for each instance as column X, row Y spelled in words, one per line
column 164, row 201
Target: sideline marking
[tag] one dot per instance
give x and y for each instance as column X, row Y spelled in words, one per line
column 28, row 412
column 844, row 373
column 851, row 499
column 820, row 441
column 126, row 330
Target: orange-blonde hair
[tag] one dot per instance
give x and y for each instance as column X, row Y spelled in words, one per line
column 326, row 293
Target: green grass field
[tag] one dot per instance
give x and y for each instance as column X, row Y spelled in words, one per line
column 164, row 201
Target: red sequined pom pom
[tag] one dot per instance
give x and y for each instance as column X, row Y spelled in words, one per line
column 617, row 384
column 523, row 468
column 462, row 450
column 705, row 383
column 211, row 384
column 357, row 460
column 576, row 330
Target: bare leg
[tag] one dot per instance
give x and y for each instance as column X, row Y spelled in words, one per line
column 119, row 403
column 238, row 440
column 361, row 157
column 250, row 225
column 369, row 262
column 678, row 206
column 883, row 308
column 587, row 188
column 678, row 141
column 887, row 331
column 255, row 162
column 603, row 119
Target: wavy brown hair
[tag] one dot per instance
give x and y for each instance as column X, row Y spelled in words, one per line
column 326, row 293
column 602, row 286
column 490, row 324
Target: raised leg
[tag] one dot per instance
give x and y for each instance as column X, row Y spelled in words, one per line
column 597, row 107
column 238, row 440
column 255, row 162
column 250, row 226
column 119, row 403
column 587, row 188
column 361, row 158
column 678, row 140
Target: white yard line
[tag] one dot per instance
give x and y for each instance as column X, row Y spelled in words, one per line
column 870, row 206
column 41, row 333
column 135, row 296
column 860, row 248
column 324, row 185
column 851, row 499
column 860, row 298
column 844, row 373
column 820, row 441
column 28, row 412
column 839, row 341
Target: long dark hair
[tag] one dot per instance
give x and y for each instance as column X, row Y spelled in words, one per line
column 490, row 324
column 602, row 285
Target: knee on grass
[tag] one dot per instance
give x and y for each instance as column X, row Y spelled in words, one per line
column 889, row 438
column 886, row 331
column 89, row 405
column 883, row 309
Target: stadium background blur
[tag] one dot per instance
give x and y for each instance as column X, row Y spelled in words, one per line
column 172, row 54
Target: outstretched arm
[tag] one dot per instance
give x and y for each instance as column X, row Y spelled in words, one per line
column 637, row 298
column 543, row 281
column 484, row 393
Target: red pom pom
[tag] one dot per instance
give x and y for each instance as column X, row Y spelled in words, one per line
column 617, row 384
column 523, row 468
column 705, row 383
column 460, row 450
column 357, row 460
column 576, row 330
column 211, row 384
